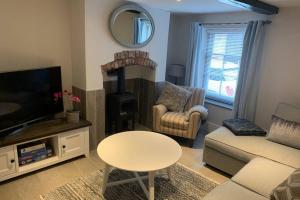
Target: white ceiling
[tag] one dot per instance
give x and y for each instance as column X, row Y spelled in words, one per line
column 190, row 6
column 206, row 6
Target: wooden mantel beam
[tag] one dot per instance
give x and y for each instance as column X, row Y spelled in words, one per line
column 254, row 5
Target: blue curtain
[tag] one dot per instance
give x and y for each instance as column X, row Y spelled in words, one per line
column 249, row 75
column 193, row 54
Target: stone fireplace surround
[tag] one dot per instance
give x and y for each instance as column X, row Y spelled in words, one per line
column 145, row 90
column 93, row 102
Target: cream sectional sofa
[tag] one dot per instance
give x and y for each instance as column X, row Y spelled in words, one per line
column 258, row 165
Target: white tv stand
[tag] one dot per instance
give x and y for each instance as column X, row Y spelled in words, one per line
column 67, row 141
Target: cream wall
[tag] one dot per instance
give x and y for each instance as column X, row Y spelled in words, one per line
column 100, row 45
column 35, row 33
column 178, row 48
column 179, row 30
column 78, row 43
column 281, row 65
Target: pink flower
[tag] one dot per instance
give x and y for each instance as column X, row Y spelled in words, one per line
column 75, row 99
column 229, row 90
column 71, row 97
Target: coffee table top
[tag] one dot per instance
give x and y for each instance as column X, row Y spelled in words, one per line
column 139, row 151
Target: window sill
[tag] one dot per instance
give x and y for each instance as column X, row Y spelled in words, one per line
column 219, row 104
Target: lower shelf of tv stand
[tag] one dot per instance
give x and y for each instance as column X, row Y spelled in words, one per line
column 39, row 164
column 66, row 145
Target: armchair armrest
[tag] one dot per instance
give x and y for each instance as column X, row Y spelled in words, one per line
column 158, row 111
column 194, row 124
column 199, row 109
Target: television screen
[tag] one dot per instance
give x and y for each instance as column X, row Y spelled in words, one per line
column 27, row 96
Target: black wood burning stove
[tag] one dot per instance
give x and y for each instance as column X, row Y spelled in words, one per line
column 121, row 106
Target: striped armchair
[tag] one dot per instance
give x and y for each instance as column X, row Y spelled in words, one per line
column 185, row 124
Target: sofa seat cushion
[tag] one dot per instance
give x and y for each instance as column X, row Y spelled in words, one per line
column 245, row 148
column 233, row 191
column 262, row 175
column 174, row 120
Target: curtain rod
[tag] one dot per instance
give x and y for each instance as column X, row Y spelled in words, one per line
column 265, row 22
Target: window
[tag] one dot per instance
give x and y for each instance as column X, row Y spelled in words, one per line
column 143, row 30
column 221, row 56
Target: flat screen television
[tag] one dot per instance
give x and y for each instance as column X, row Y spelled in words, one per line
column 28, row 96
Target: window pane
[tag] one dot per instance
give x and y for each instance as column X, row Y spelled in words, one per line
column 222, row 62
column 219, row 43
column 228, row 88
column 214, row 86
column 216, row 61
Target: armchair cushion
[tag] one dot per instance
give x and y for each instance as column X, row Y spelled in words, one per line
column 174, row 97
column 198, row 108
column 174, row 120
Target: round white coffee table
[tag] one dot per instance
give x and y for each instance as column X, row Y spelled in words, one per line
column 138, row 151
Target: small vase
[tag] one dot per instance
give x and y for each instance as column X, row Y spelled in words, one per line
column 73, row 116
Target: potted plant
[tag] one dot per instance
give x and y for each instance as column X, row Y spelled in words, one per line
column 71, row 100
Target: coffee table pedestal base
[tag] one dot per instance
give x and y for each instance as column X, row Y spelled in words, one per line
column 148, row 192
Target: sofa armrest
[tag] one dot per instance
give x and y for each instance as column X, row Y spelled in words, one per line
column 199, row 109
column 158, row 111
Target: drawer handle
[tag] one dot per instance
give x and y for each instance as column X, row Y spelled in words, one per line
column 12, row 160
column 64, row 146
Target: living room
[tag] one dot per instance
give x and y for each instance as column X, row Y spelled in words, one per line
column 75, row 51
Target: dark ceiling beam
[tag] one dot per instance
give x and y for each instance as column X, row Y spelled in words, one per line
column 254, row 5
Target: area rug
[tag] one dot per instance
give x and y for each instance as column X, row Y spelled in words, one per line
column 186, row 185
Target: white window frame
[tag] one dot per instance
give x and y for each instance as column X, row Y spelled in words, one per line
column 202, row 53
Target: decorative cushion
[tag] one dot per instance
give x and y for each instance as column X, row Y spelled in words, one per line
column 289, row 189
column 174, row 120
column 285, row 132
column 243, row 127
column 174, row 97
column 201, row 109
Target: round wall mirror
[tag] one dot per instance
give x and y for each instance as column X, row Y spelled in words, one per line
column 132, row 26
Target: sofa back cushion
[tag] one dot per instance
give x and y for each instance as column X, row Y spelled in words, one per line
column 285, row 132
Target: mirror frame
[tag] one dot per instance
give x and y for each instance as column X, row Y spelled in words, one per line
column 131, row 6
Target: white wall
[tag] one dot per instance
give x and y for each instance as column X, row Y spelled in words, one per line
column 281, row 65
column 100, row 45
column 34, row 34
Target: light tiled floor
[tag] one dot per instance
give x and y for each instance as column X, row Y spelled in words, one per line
column 29, row 187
